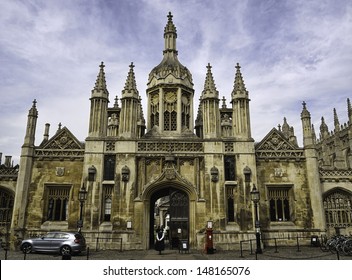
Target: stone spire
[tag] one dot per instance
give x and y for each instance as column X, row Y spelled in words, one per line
column 199, row 120
column 170, row 36
column 116, row 103
column 210, row 90
column 31, row 125
column 240, row 107
column 336, row 121
column 141, row 119
column 239, row 88
column 286, row 128
column 349, row 110
column 324, row 130
column 99, row 104
column 223, row 106
column 314, row 134
column 307, row 126
column 130, row 88
column 129, row 116
column 100, row 83
column 210, row 107
column 305, row 113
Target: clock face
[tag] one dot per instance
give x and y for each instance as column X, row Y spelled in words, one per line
column 170, row 97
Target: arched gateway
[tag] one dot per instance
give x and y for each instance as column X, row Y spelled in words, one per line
column 169, row 209
column 177, row 201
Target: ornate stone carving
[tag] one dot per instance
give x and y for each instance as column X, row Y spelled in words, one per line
column 60, row 171
column 170, row 147
column 275, row 145
column 110, row 146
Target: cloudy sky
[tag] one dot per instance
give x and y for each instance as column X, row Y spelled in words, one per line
column 289, row 51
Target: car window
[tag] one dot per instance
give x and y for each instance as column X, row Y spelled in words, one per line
column 62, row 236
column 50, row 235
column 78, row 236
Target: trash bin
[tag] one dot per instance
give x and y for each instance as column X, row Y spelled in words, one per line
column 314, row 241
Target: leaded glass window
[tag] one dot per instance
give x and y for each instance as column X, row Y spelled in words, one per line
column 57, row 203
column 338, row 209
column 279, row 200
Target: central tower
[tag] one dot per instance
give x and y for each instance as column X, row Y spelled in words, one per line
column 170, row 92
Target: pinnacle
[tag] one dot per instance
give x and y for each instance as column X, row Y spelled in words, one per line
column 170, row 27
column 130, row 85
column 305, row 113
column 239, row 86
column 209, row 85
column 33, row 110
column 100, row 83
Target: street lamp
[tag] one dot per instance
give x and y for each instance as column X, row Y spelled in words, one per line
column 82, row 197
column 255, row 197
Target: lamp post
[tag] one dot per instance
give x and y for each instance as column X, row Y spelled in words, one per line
column 82, row 197
column 255, row 197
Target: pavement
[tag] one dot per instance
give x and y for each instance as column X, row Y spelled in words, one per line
column 281, row 253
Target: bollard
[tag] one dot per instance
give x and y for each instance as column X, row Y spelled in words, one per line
column 87, row 253
column 276, row 251
column 298, row 249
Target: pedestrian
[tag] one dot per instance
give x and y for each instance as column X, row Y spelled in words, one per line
column 160, row 240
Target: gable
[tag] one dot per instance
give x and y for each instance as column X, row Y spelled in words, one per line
column 276, row 145
column 62, row 140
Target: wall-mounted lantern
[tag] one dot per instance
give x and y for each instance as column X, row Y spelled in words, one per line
column 125, row 173
column 91, row 173
column 214, row 172
column 247, row 174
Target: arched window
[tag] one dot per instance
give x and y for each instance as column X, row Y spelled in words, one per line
column 6, row 206
column 107, row 202
column 338, row 209
column 170, row 111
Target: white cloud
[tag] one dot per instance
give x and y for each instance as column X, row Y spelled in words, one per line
column 289, row 51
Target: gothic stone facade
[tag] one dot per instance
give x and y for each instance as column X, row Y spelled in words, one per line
column 178, row 171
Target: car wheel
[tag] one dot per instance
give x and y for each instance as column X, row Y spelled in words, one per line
column 26, row 248
column 65, row 250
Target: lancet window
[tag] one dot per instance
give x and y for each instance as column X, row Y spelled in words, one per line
column 170, row 111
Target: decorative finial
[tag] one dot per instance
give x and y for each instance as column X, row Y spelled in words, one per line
column 224, row 102
column 169, row 16
column 116, row 104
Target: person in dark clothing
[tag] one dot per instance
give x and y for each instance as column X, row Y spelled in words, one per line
column 160, row 240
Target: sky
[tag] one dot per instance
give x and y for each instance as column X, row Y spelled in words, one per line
column 289, row 51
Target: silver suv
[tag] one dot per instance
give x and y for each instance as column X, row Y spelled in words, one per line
column 64, row 243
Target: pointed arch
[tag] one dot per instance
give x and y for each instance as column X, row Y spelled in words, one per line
column 338, row 208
